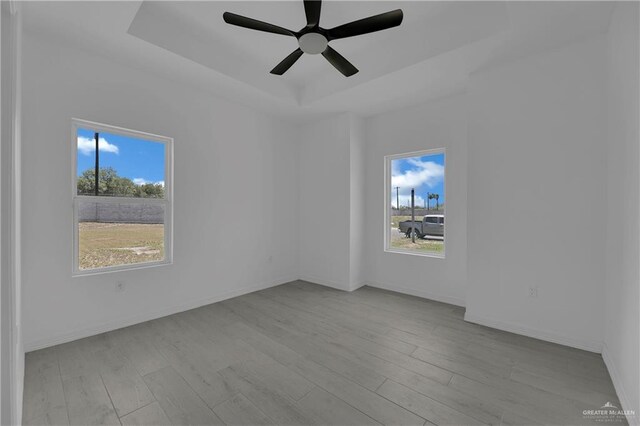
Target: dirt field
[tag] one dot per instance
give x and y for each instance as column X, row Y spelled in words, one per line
column 109, row 244
column 400, row 241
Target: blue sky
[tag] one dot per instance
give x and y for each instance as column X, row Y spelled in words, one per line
column 424, row 173
column 140, row 160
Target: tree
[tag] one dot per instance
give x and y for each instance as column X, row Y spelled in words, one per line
column 150, row 190
column 110, row 184
column 436, row 197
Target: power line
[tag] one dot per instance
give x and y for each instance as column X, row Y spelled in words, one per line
column 97, row 170
column 413, row 216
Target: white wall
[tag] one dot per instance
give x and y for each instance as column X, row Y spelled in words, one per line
column 622, row 296
column 332, row 202
column 438, row 124
column 537, row 195
column 11, row 353
column 229, row 162
column 357, row 210
column 324, row 202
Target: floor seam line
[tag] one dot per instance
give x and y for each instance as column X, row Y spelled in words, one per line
column 64, row 393
column 139, row 408
column 110, row 399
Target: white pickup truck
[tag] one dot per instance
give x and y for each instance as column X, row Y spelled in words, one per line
column 431, row 225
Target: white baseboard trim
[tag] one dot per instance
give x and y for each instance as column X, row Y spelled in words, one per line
column 584, row 344
column 623, row 396
column 335, row 285
column 326, row 283
column 354, row 287
column 418, row 293
column 20, row 380
column 136, row 319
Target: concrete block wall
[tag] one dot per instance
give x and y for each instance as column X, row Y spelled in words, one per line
column 121, row 213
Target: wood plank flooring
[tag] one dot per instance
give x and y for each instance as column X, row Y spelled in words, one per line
column 303, row 354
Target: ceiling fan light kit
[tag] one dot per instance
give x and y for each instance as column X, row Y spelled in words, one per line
column 313, row 39
column 313, row 43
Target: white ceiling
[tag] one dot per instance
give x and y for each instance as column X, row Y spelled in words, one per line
column 430, row 55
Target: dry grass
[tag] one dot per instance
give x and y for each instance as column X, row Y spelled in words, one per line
column 421, row 245
column 110, row 244
column 400, row 241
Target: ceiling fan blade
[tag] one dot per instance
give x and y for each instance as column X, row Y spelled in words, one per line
column 312, row 10
column 254, row 24
column 338, row 61
column 367, row 25
column 287, row 62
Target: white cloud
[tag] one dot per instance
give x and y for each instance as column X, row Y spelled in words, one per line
column 139, row 181
column 405, row 200
column 88, row 146
column 424, row 173
column 143, row 181
column 395, row 167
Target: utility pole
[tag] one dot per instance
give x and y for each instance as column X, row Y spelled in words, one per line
column 398, row 198
column 413, row 216
column 428, row 198
column 97, row 170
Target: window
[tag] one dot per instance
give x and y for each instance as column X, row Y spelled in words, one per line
column 122, row 199
column 414, row 185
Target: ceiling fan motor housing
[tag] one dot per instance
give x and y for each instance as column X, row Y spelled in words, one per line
column 313, row 43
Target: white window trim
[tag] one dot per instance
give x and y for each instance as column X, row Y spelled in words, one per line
column 167, row 201
column 387, row 202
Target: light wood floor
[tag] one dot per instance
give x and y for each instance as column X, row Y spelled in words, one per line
column 305, row 354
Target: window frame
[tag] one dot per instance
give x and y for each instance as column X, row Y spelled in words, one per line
column 387, row 202
column 167, row 201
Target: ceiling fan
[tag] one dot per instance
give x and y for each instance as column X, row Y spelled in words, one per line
column 313, row 39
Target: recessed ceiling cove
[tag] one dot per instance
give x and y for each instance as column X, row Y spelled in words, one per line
column 198, row 32
column 430, row 55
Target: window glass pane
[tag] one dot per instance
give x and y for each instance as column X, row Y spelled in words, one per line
column 128, row 166
column 112, row 234
column 425, row 175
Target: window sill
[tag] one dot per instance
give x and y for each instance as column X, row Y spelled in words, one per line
column 123, row 268
column 413, row 253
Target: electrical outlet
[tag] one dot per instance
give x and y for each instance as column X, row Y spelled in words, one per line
column 533, row 291
column 120, row 286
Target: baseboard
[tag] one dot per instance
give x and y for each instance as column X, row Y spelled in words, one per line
column 418, row 293
column 338, row 286
column 623, row 396
column 584, row 344
column 20, row 383
column 326, row 283
column 354, row 287
column 126, row 322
